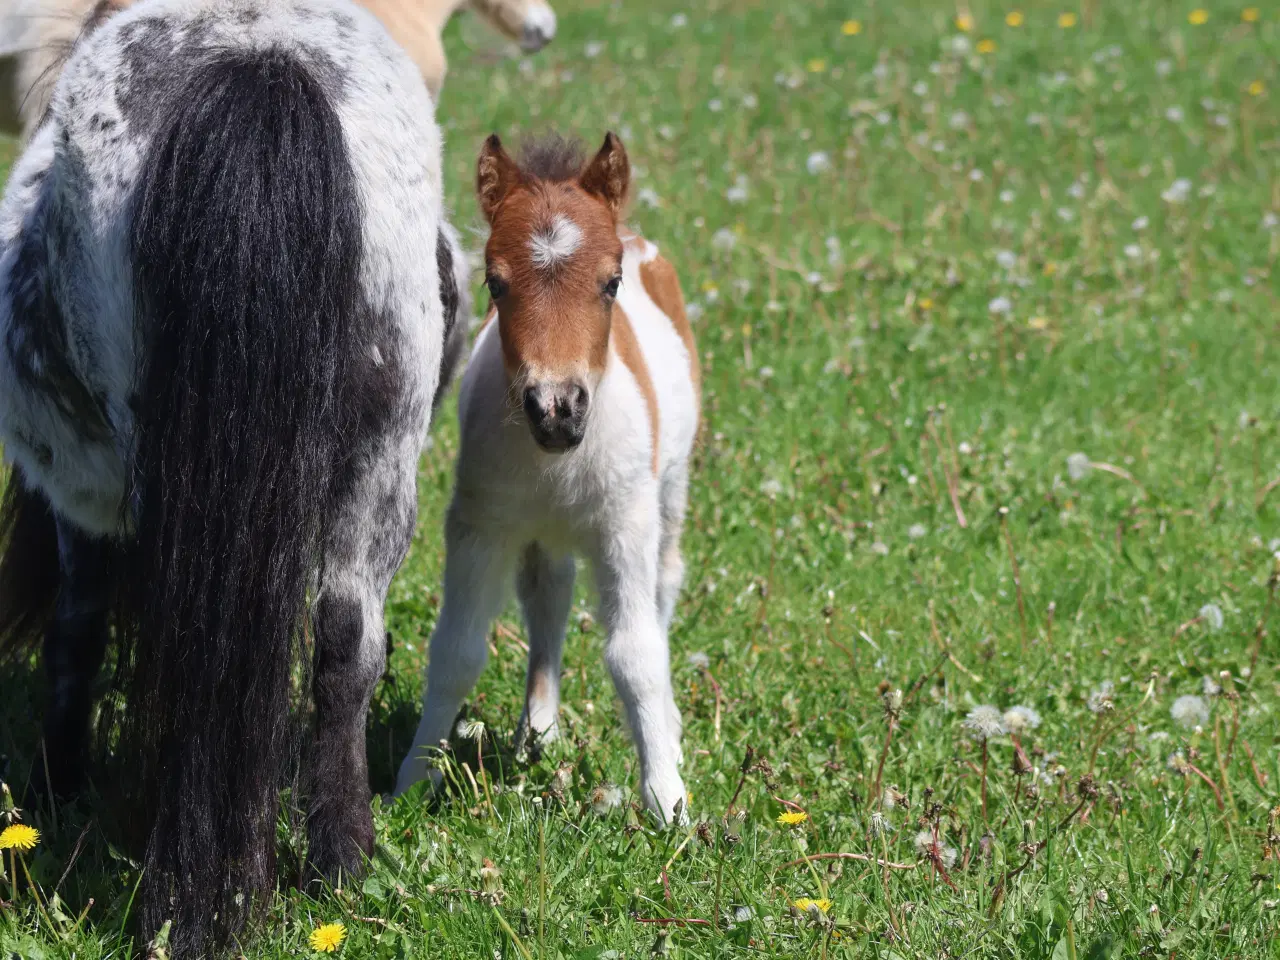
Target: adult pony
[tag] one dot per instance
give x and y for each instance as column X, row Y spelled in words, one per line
column 225, row 286
column 36, row 35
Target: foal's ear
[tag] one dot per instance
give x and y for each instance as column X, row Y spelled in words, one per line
column 496, row 174
column 608, row 175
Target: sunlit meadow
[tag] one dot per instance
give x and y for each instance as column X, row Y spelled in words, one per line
column 978, row 651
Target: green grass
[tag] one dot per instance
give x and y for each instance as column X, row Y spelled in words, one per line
column 857, row 368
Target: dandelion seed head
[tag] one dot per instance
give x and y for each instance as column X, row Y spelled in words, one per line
column 818, row 162
column 1210, row 687
column 1212, row 616
column 1103, row 698
column 984, row 722
column 1000, row 306
column 699, row 659
column 1190, row 711
column 1020, row 719
column 1078, row 466
column 605, row 797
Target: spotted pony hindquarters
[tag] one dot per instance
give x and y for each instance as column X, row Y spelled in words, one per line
column 246, row 262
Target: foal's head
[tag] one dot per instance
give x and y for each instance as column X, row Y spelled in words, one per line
column 553, row 264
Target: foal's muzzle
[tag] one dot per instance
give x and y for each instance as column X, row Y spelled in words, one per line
column 557, row 414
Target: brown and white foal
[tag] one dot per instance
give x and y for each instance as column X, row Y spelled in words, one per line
column 578, row 415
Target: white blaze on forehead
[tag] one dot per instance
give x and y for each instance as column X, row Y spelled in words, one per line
column 555, row 243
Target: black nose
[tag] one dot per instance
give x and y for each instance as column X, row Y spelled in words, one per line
column 557, row 413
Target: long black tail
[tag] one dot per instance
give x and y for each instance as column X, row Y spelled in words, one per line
column 246, row 258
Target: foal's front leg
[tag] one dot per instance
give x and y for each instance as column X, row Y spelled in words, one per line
column 544, row 586
column 637, row 653
column 476, row 572
column 74, row 646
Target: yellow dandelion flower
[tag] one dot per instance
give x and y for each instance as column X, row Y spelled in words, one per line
column 1198, row 17
column 817, row 65
column 851, row 28
column 1250, row 14
column 1050, row 269
column 926, row 303
column 1013, row 18
column 964, row 23
column 792, row 817
column 1066, row 20
column 19, row 837
column 1257, row 88
column 804, row 903
column 986, row 46
column 327, row 938
column 1038, row 323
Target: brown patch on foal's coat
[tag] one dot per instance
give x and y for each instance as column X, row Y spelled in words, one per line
column 663, row 286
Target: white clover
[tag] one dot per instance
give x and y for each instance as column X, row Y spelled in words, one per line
column 1270, row 220
column 1141, row 223
column 1000, row 306
column 739, row 191
column 750, row 101
column 1133, row 251
column 1078, row 466
column 1164, row 68
column 984, row 722
column 920, row 88
column 1174, row 114
column 1211, row 615
column 771, row 488
column 1007, row 259
column 959, row 120
column 679, row 20
column 1020, row 719
column 1007, row 196
column 715, row 104
column 1076, row 190
column 880, row 548
column 593, row 49
column 917, row 530
column 1190, row 711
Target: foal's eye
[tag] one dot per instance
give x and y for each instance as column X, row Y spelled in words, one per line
column 611, row 288
column 497, row 287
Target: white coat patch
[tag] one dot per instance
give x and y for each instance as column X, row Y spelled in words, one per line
column 555, row 244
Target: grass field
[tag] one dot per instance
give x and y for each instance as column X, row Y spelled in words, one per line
column 987, row 304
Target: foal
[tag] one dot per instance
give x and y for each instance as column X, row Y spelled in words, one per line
column 578, row 413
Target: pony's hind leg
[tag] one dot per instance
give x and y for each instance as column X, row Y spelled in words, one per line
column 673, row 501
column 544, row 586
column 368, row 538
column 476, row 572
column 74, row 647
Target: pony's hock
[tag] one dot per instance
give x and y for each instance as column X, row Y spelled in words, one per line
column 578, row 414
column 280, row 304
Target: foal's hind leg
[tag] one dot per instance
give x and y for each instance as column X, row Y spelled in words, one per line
column 369, row 537
column 73, row 650
column 544, row 586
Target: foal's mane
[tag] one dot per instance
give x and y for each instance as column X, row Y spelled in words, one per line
column 552, row 157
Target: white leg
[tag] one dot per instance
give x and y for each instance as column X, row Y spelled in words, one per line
column 477, row 569
column 636, row 651
column 544, row 585
column 674, row 497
